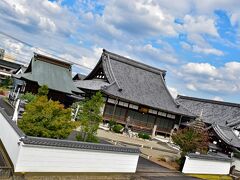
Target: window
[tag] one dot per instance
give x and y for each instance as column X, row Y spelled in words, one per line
column 120, row 111
column 152, row 111
column 113, row 101
column 109, row 109
column 133, row 106
column 164, row 123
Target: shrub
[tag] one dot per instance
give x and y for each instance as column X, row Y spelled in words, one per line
column 89, row 116
column 43, row 90
column 143, row 135
column 90, row 138
column 29, row 97
column 2, row 91
column 191, row 140
column 112, row 123
column 117, row 128
column 46, row 118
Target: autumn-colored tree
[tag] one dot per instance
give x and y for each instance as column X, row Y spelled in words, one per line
column 191, row 140
column 89, row 115
column 46, row 118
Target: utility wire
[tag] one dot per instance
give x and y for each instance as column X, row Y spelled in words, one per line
column 30, row 45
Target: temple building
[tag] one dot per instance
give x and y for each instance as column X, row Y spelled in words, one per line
column 134, row 91
column 221, row 118
column 56, row 74
column 7, row 66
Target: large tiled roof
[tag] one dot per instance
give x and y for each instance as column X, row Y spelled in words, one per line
column 212, row 111
column 227, row 135
column 51, row 72
column 136, row 82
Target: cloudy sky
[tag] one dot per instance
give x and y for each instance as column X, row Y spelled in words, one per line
column 196, row 41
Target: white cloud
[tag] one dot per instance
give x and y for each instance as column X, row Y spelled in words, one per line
column 173, row 91
column 191, row 87
column 196, row 27
column 207, row 51
column 199, row 25
column 139, row 18
column 200, row 68
column 217, row 98
column 206, row 77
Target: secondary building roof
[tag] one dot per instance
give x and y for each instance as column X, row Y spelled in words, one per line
column 79, row 76
column 212, row 111
column 210, row 156
column 56, row 74
column 133, row 81
column 227, row 135
column 222, row 116
column 10, row 64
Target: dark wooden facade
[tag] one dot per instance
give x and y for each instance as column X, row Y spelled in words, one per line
column 139, row 120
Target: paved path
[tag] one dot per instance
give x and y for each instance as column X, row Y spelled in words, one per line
column 8, row 109
column 147, row 170
column 149, row 148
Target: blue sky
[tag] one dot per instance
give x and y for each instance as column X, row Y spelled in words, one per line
column 196, row 41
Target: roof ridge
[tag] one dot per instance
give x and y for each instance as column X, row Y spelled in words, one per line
column 132, row 62
column 165, row 86
column 52, row 59
column 208, row 101
column 76, row 144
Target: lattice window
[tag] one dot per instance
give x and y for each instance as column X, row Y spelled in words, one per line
column 100, row 74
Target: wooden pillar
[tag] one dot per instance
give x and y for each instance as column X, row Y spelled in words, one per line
column 114, row 109
column 154, row 130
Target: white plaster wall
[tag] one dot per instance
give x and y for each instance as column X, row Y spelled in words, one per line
column 29, row 158
column 9, row 139
column 48, row 159
column 236, row 162
column 199, row 166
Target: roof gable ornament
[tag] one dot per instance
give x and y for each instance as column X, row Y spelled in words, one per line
column 108, row 62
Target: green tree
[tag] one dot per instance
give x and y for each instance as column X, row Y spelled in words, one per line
column 90, row 116
column 29, row 97
column 46, row 118
column 7, row 82
column 43, row 90
column 191, row 140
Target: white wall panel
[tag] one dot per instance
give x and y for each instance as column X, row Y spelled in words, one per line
column 47, row 159
column 9, row 139
column 200, row 166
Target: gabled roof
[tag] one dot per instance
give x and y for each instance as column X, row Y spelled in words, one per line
column 227, row 135
column 10, row 64
column 57, row 75
column 135, row 82
column 79, row 76
column 212, row 111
